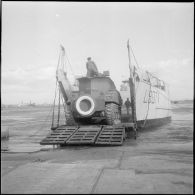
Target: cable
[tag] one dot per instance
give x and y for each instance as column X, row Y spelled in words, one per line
column 134, row 56
column 63, row 106
column 41, row 128
column 59, row 60
column 70, row 65
column 63, row 61
column 58, row 109
column 148, row 107
column 54, row 105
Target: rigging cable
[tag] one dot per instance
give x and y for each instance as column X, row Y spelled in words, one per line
column 58, row 109
column 63, row 106
column 63, row 60
column 59, row 61
column 148, row 106
column 136, row 64
column 134, row 56
column 41, row 128
column 70, row 65
column 54, row 107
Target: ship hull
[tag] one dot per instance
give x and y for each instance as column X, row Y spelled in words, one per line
column 152, row 102
column 153, row 122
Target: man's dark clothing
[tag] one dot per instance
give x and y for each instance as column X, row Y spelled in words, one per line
column 91, row 69
column 128, row 105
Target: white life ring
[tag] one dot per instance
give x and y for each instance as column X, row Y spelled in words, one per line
column 78, row 105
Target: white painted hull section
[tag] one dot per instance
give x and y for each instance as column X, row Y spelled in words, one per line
column 151, row 102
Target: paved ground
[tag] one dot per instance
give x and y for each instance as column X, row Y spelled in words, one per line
column 160, row 161
column 130, row 168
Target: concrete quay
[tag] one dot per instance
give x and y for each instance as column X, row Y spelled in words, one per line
column 129, row 169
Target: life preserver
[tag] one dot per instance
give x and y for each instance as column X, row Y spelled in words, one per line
column 91, row 102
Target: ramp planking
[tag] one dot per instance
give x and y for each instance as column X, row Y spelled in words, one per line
column 111, row 135
column 85, row 135
column 95, row 135
column 59, row 136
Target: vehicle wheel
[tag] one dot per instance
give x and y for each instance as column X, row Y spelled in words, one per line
column 113, row 114
column 68, row 115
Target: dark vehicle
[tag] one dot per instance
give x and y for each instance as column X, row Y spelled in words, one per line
column 92, row 112
column 96, row 102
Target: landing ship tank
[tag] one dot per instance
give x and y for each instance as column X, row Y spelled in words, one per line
column 94, row 113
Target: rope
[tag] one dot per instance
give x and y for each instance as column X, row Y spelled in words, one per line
column 59, row 61
column 58, row 109
column 63, row 61
column 41, row 128
column 134, row 103
column 148, row 107
column 63, row 106
column 134, row 56
column 70, row 65
column 54, row 105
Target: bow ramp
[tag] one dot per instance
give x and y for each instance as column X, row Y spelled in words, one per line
column 94, row 135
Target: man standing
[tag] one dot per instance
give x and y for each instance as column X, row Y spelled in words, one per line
column 128, row 105
column 91, row 68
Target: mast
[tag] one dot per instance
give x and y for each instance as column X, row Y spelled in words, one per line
column 132, row 88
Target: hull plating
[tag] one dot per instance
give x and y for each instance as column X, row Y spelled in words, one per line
column 152, row 101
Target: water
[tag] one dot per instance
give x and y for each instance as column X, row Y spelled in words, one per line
column 29, row 125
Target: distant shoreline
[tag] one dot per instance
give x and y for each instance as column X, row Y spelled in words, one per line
column 181, row 101
column 48, row 105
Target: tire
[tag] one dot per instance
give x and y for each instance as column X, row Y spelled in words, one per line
column 68, row 115
column 113, row 114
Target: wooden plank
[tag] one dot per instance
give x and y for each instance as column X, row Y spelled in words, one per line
column 111, row 136
column 59, row 136
column 85, row 135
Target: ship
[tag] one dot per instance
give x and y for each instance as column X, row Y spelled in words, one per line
column 150, row 97
column 95, row 110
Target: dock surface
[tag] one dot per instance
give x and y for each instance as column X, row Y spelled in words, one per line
column 159, row 161
column 109, row 170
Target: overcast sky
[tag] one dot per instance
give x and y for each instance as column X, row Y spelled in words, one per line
column 161, row 35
